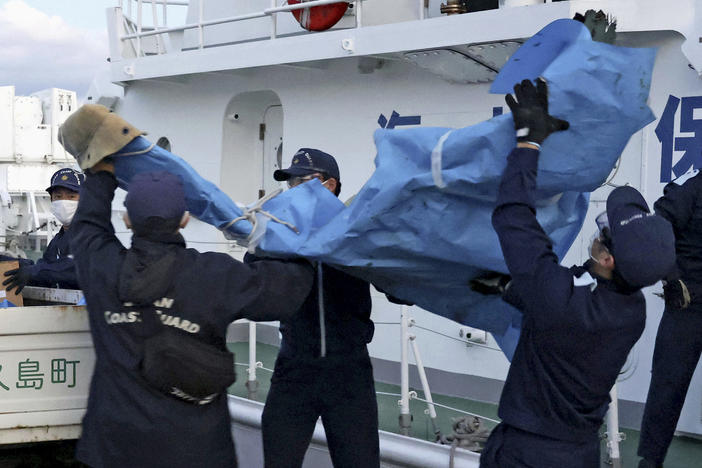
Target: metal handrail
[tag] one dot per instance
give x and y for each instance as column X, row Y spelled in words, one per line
column 232, row 19
column 272, row 11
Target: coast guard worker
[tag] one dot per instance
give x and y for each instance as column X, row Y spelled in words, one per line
column 336, row 382
column 578, row 324
column 158, row 317
column 56, row 268
column 679, row 339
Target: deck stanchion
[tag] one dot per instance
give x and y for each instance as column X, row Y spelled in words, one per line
column 251, row 382
column 359, row 13
column 613, row 434
column 201, row 31
column 405, row 416
column 159, row 38
column 139, row 4
column 425, row 387
column 274, row 18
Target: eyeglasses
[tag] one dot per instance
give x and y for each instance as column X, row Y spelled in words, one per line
column 295, row 181
column 604, row 232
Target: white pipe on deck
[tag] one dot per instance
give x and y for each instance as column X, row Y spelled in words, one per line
column 423, row 377
column 404, row 371
column 613, row 436
column 252, row 352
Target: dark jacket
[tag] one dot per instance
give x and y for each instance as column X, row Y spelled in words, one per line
column 55, row 269
column 576, row 331
column 132, row 295
column 681, row 205
column 347, row 309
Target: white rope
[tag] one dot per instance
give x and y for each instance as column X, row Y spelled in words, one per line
column 134, row 153
column 246, row 364
column 250, row 213
column 436, row 160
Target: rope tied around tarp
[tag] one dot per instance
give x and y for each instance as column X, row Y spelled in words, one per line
column 135, row 153
column 250, row 213
column 468, row 433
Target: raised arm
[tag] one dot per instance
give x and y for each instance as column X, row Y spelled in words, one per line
column 539, row 283
column 94, row 241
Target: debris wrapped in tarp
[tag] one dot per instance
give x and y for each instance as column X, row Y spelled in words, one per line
column 204, row 199
column 420, row 227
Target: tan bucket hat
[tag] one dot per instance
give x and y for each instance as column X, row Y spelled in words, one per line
column 93, row 132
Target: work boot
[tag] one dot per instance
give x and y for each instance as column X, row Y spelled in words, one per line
column 646, row 463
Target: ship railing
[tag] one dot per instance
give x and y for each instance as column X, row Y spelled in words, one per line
column 409, row 342
column 137, row 30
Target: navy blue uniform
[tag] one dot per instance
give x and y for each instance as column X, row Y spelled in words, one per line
column 679, row 339
column 338, row 387
column 576, row 334
column 132, row 295
column 55, row 269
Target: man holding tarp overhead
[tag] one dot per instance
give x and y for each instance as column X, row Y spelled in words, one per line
column 579, row 324
column 159, row 314
column 323, row 368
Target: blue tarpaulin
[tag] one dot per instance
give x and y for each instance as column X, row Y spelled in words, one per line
column 420, row 227
column 421, row 232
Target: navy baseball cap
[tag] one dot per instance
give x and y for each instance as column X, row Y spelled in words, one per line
column 308, row 161
column 67, row 178
column 642, row 243
column 155, row 195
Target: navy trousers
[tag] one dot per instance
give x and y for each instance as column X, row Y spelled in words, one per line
column 342, row 392
column 509, row 447
column 675, row 357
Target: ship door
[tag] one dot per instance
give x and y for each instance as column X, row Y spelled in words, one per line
column 252, row 145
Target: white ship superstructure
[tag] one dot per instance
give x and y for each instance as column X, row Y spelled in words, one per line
column 239, row 86
column 29, row 154
column 227, row 92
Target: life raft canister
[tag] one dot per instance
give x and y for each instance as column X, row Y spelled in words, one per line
column 319, row 18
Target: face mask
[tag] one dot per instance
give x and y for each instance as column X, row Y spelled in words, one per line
column 64, row 210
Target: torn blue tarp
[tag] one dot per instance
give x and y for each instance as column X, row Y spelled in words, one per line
column 420, row 227
column 204, row 199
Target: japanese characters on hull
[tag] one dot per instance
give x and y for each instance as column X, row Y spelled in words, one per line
column 680, row 110
column 31, row 373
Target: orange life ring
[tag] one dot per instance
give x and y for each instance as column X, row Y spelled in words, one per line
column 319, row 18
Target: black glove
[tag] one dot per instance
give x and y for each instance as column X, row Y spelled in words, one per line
column 18, row 278
column 530, row 112
column 490, row 283
column 602, row 28
column 676, row 294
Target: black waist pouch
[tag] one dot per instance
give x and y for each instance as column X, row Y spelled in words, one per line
column 185, row 368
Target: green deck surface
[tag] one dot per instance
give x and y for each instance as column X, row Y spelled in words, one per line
column 684, row 452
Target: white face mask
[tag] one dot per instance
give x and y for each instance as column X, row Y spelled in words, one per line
column 64, row 210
